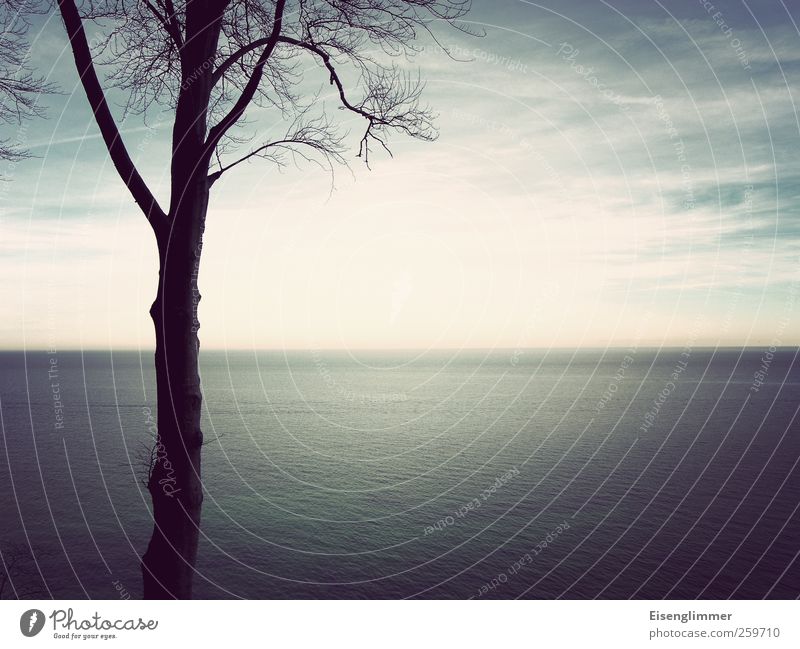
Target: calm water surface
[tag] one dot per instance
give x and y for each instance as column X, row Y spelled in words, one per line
column 398, row 474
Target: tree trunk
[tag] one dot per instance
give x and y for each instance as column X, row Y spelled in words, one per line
column 175, row 482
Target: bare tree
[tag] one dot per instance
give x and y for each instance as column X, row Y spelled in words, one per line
column 207, row 62
column 19, row 87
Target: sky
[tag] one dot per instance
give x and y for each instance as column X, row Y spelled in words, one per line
column 607, row 174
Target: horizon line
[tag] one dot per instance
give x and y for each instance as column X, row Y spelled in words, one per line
column 408, row 349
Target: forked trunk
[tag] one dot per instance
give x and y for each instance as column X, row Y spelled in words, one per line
column 175, row 485
column 175, row 482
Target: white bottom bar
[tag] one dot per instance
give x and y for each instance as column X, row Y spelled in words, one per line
column 402, row 624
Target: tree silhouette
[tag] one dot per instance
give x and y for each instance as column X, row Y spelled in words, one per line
column 207, row 62
column 19, row 87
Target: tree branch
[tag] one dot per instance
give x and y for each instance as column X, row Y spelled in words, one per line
column 317, row 134
column 388, row 99
column 173, row 22
column 227, row 63
column 255, row 152
column 168, row 22
column 20, row 89
column 216, row 132
column 334, row 76
column 105, row 120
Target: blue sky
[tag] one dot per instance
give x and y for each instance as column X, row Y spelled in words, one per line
column 606, row 174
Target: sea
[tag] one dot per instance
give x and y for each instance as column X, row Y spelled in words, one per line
column 450, row 474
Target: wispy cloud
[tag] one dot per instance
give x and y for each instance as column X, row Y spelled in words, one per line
column 633, row 161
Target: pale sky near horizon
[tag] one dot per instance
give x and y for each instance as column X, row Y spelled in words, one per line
column 607, row 173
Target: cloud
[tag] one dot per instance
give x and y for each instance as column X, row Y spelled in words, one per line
column 640, row 168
